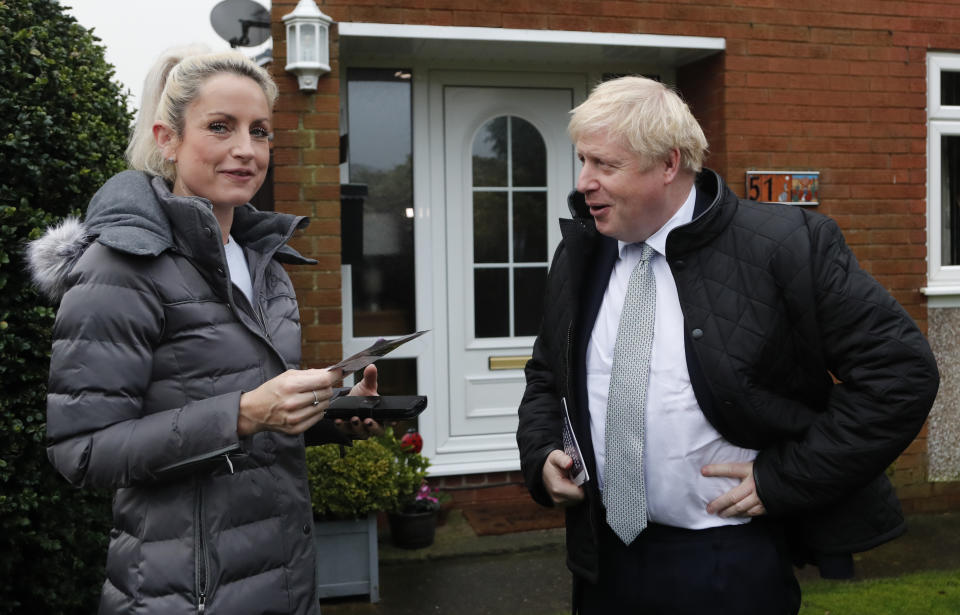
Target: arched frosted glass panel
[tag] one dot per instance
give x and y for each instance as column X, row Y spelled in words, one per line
column 529, row 227
column 509, row 227
column 490, row 153
column 529, row 154
column 490, row 224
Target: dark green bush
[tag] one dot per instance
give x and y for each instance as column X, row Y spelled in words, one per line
column 63, row 127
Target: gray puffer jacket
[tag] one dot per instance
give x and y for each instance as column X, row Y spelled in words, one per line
column 152, row 348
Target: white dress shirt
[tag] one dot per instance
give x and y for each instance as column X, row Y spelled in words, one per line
column 679, row 440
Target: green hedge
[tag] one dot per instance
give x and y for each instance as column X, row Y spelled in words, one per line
column 63, row 128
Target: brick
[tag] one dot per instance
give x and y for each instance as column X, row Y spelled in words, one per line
column 285, row 174
column 326, row 104
column 321, row 354
column 292, row 138
column 477, row 19
column 322, row 333
column 285, row 191
column 322, row 192
column 325, row 226
column 327, row 262
column 321, row 121
column 287, row 120
column 288, row 156
column 328, row 316
column 321, row 156
column 476, row 479
column 326, row 245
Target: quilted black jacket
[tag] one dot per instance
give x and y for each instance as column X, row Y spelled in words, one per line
column 792, row 349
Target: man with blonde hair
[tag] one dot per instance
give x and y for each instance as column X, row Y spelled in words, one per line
column 736, row 383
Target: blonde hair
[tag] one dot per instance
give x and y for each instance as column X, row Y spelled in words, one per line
column 172, row 84
column 647, row 117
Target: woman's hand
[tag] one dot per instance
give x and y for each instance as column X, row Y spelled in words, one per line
column 355, row 428
column 290, row 403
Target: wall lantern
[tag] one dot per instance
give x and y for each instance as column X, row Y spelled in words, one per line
column 308, row 49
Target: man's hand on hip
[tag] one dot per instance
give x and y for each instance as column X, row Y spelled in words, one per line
column 742, row 500
column 556, row 479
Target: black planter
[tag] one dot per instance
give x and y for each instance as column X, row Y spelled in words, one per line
column 413, row 530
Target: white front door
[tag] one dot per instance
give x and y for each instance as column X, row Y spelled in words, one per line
column 507, row 166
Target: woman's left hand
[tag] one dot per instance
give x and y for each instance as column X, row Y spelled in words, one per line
column 355, row 428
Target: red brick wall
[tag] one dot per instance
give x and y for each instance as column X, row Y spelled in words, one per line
column 307, row 182
column 832, row 86
column 702, row 85
column 473, row 489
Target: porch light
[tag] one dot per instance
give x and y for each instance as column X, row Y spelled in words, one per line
column 308, row 48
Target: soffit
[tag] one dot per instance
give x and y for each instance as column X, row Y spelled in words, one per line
column 502, row 46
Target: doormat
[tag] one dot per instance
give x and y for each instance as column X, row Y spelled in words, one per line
column 507, row 516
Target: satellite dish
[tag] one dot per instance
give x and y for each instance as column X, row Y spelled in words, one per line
column 242, row 23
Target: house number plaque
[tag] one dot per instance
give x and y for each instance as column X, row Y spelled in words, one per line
column 784, row 187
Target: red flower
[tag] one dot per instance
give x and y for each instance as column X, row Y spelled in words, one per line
column 411, row 441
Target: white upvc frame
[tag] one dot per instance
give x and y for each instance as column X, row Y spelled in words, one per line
column 943, row 281
column 564, row 37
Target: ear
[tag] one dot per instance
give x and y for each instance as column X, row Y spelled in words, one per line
column 671, row 166
column 166, row 139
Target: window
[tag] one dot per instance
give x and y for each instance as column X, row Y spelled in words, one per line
column 377, row 203
column 509, row 228
column 943, row 174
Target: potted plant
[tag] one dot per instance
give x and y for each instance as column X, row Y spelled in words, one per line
column 413, row 525
column 348, row 487
column 413, row 517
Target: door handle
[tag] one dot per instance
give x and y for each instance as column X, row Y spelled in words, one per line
column 510, row 362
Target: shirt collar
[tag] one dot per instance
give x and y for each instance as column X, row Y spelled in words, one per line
column 658, row 241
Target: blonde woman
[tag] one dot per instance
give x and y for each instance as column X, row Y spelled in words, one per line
column 174, row 371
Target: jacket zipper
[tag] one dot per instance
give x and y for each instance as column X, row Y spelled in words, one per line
column 568, row 351
column 200, row 555
column 263, row 320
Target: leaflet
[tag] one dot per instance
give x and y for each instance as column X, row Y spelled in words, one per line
column 365, row 357
column 578, row 472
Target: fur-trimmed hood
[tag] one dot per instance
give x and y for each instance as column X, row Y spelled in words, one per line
column 51, row 257
column 123, row 214
column 135, row 213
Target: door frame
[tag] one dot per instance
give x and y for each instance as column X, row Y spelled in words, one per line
column 464, row 454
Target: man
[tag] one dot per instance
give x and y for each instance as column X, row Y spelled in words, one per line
column 736, row 383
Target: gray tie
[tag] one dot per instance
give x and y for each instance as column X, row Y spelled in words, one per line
column 624, row 494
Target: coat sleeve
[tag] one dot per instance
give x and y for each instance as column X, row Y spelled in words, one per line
column 886, row 381
column 539, row 431
column 99, row 433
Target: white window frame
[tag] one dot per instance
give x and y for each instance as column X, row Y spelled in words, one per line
column 943, row 281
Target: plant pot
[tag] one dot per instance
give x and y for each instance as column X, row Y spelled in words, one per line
column 413, row 530
column 347, row 562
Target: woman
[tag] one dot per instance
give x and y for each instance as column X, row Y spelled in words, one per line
column 173, row 374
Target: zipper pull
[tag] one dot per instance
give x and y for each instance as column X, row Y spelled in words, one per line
column 229, row 463
column 201, row 602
